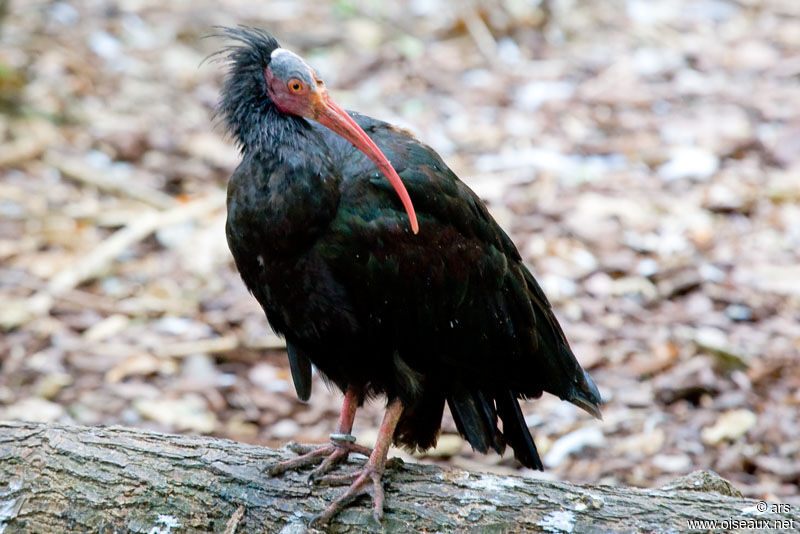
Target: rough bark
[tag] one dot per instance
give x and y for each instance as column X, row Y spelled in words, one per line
column 56, row 478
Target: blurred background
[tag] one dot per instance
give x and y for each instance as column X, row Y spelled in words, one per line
column 643, row 155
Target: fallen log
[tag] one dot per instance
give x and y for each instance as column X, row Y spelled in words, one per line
column 60, row 478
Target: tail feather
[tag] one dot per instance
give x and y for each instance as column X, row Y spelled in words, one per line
column 516, row 431
column 476, row 420
column 300, row 365
column 419, row 425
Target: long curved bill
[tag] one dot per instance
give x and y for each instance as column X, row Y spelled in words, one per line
column 334, row 117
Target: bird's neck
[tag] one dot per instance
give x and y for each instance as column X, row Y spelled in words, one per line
column 285, row 194
column 266, row 131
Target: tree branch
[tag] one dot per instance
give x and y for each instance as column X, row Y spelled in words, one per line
column 58, row 478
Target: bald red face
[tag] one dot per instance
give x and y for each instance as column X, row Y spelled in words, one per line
column 296, row 89
column 294, row 86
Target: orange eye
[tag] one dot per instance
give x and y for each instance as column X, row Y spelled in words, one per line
column 295, row 85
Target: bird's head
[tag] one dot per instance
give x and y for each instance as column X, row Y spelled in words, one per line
column 266, row 79
column 296, row 88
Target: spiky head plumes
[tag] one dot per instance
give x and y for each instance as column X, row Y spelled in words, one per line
column 245, row 103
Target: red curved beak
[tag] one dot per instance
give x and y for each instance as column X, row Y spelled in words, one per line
column 329, row 114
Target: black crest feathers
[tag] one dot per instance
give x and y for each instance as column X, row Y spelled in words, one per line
column 244, row 101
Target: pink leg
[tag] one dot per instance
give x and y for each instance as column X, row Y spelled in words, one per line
column 368, row 476
column 340, row 447
column 349, row 407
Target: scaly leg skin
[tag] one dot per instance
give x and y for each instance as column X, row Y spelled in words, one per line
column 368, row 476
column 328, row 456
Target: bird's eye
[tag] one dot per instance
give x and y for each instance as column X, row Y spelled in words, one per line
column 295, row 85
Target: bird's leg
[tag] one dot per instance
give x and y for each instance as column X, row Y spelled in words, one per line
column 341, row 445
column 368, row 476
column 342, row 442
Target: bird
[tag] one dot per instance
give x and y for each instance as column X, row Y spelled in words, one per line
column 380, row 267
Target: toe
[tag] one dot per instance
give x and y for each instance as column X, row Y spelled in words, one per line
column 377, row 497
column 337, row 480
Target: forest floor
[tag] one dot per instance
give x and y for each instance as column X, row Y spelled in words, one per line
column 644, row 157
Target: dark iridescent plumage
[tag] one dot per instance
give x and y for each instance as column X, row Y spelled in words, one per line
column 450, row 315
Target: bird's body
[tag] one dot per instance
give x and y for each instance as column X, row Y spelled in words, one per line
column 448, row 315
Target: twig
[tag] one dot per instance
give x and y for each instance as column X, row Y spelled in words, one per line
column 233, row 522
column 213, row 345
column 134, row 232
column 77, row 298
column 83, row 299
column 76, row 169
column 98, row 259
column 219, row 345
column 270, row 341
column 480, row 33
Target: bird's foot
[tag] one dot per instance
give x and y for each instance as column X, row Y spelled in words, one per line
column 328, row 456
column 348, row 478
column 364, row 481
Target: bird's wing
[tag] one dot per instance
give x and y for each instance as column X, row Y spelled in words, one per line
column 456, row 295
